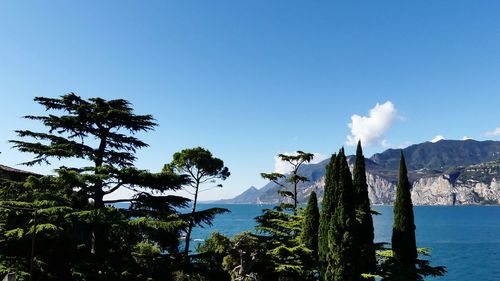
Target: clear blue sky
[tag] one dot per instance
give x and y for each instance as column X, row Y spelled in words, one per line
column 250, row 79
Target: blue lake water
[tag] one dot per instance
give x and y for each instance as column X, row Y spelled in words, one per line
column 465, row 239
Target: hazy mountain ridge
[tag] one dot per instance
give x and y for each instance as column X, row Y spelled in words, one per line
column 447, row 172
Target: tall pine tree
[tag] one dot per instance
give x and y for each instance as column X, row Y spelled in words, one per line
column 343, row 245
column 309, row 235
column 403, row 231
column 366, row 260
column 295, row 161
column 402, row 262
column 282, row 225
column 327, row 209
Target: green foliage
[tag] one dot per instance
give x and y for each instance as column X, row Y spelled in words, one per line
column 153, row 224
column 296, row 160
column 79, row 237
column 342, row 236
column 216, row 243
column 327, row 209
column 403, row 262
column 282, row 226
column 198, row 166
column 93, row 118
column 309, row 235
column 274, row 177
column 243, row 257
column 366, row 259
column 403, row 232
column 150, row 264
column 41, row 209
column 285, row 244
column 391, row 269
column 288, row 258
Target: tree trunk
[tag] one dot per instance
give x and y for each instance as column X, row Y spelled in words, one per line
column 191, row 222
column 295, row 198
column 98, row 233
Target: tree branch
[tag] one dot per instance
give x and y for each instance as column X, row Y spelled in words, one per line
column 119, row 200
column 114, row 188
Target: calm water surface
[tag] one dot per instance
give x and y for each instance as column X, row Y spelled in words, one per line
column 465, row 239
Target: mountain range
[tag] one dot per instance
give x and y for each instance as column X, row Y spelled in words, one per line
column 447, row 172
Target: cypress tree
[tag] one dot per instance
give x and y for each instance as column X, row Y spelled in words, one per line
column 309, row 235
column 404, row 264
column 327, row 208
column 403, row 230
column 344, row 251
column 366, row 260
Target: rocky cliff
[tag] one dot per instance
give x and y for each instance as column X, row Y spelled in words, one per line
column 436, row 175
column 445, row 189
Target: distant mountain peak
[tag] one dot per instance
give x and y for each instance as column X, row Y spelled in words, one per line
column 428, row 164
column 440, row 155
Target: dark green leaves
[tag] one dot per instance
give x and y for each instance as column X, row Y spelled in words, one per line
column 403, row 233
column 274, row 177
column 310, row 230
column 79, row 236
column 298, row 158
column 199, row 163
column 366, row 260
column 79, row 124
column 295, row 160
column 197, row 166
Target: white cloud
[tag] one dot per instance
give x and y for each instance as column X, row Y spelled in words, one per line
column 466, row 138
column 437, row 138
column 386, row 144
column 493, row 133
column 371, row 129
column 285, row 167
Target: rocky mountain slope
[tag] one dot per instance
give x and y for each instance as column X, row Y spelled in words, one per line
column 448, row 172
